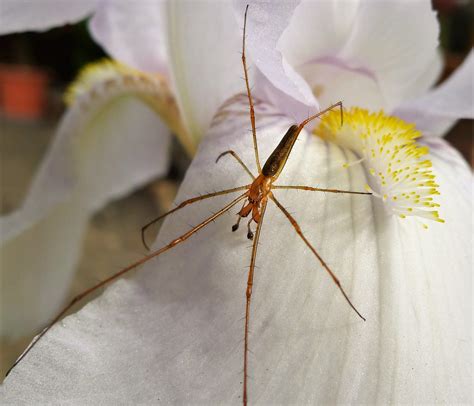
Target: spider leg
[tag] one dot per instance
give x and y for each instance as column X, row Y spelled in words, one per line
column 319, row 114
column 185, row 203
column 249, row 95
column 122, row 272
column 238, row 160
column 313, row 250
column 316, row 189
column 249, row 295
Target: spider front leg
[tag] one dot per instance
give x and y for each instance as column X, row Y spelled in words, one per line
column 249, row 95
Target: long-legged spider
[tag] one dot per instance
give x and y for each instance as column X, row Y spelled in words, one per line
column 255, row 198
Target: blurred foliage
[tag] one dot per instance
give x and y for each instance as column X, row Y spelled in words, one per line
column 456, row 19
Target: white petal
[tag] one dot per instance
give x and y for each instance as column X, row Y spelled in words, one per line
column 39, row 15
column 265, row 25
column 318, row 29
column 332, row 83
column 440, row 108
column 366, row 53
column 204, row 42
column 97, row 155
column 396, row 40
column 173, row 333
column 133, row 33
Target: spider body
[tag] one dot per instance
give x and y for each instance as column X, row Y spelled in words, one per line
column 260, row 189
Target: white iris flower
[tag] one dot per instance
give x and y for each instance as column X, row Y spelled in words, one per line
column 172, row 333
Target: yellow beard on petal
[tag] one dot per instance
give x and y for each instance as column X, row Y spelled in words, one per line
column 108, row 73
column 400, row 174
column 101, row 82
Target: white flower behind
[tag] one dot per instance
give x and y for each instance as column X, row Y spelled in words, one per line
column 353, row 51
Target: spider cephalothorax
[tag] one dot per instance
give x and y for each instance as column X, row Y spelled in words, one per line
column 258, row 194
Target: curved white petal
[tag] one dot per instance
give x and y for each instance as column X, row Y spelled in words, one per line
column 332, row 83
column 203, row 42
column 133, row 33
column 318, row 29
column 440, row 108
column 173, row 333
column 367, row 53
column 265, row 24
column 106, row 145
column 39, row 15
column 397, row 41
